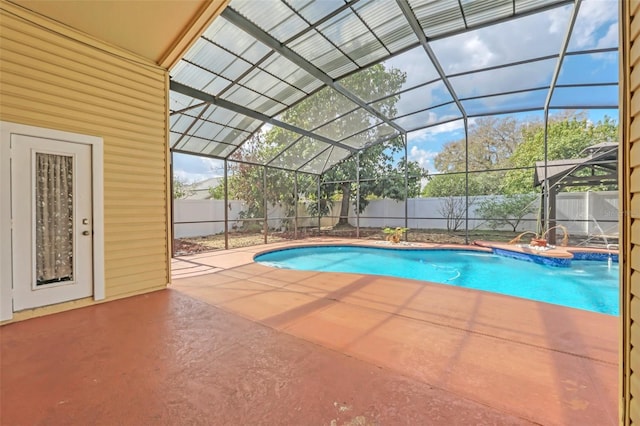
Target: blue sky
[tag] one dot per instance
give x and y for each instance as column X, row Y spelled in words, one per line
column 534, row 36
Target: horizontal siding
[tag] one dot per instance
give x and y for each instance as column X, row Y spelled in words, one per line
column 85, row 84
column 132, row 285
column 634, row 183
column 634, row 8
column 54, row 80
column 74, row 111
column 634, row 386
column 634, row 157
column 52, row 40
column 630, row 264
column 635, row 203
column 635, row 361
column 122, row 259
column 635, row 232
column 635, row 282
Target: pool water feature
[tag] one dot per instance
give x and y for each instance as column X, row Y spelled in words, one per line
column 586, row 284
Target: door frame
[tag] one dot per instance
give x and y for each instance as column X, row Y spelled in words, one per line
column 97, row 187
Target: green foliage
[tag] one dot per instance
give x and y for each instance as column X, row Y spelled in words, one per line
column 247, row 183
column 384, row 178
column 216, row 192
column 381, row 177
column 397, row 230
column 497, row 143
column 451, row 188
column 507, row 210
column 567, row 136
column 181, row 189
column 454, row 185
column 491, row 142
column 394, row 235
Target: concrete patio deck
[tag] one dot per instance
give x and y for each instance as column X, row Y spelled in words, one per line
column 234, row 342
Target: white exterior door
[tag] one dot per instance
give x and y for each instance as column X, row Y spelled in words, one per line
column 51, row 213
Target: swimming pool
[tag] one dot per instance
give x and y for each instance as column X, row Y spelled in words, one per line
column 587, row 284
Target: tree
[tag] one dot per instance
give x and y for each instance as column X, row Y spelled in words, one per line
column 567, row 136
column 378, row 163
column 491, row 142
column 508, row 143
column 181, row 188
column 380, row 176
column 447, row 185
column 216, row 192
column 451, row 190
column 454, row 210
column 507, row 210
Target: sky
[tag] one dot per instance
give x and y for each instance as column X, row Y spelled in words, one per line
column 533, row 36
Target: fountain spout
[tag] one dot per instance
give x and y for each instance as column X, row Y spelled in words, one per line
column 517, row 239
column 541, row 240
column 565, row 237
column 602, row 234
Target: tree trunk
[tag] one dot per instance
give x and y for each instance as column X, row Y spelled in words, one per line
column 344, row 206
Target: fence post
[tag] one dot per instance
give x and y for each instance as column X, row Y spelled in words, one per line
column 295, row 205
column 357, row 196
column 406, row 186
column 173, row 226
column 319, row 206
column 226, row 208
column 587, row 209
column 265, row 203
column 466, row 180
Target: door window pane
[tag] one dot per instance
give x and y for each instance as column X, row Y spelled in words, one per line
column 54, row 218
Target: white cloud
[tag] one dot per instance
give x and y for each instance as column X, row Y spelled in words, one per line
column 477, row 52
column 431, row 133
column 422, row 97
column 521, row 77
column 191, row 168
column 533, row 36
column 416, row 64
column 597, row 19
column 610, row 38
column 557, row 22
column 536, row 35
column 528, row 37
column 423, row 157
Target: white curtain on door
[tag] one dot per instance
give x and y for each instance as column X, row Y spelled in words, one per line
column 54, row 218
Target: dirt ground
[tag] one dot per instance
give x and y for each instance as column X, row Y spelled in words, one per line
column 184, row 246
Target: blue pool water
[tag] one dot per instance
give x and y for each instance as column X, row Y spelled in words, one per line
column 587, row 284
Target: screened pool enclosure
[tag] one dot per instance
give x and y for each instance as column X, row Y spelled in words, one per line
column 337, row 117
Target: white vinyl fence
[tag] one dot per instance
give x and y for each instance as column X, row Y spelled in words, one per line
column 583, row 213
column 197, row 218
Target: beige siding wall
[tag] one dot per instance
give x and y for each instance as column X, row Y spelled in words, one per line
column 54, row 77
column 630, row 208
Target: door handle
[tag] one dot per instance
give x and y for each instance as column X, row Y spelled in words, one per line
column 85, row 233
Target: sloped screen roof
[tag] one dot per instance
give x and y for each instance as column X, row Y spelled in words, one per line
column 262, row 65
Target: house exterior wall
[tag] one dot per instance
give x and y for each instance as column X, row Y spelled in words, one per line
column 54, row 77
column 630, row 209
